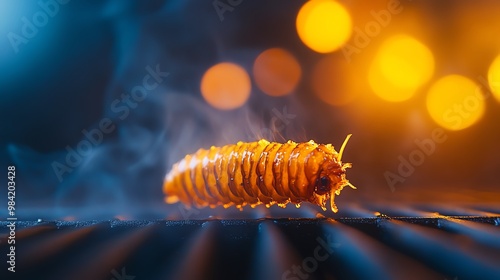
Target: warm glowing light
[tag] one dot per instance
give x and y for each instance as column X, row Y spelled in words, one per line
column 323, row 25
column 455, row 102
column 276, row 72
column 226, row 86
column 121, row 217
column 401, row 66
column 330, row 81
column 494, row 77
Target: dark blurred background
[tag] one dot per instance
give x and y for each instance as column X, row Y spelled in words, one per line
column 100, row 98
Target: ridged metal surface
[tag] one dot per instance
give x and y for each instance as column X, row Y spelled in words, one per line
column 347, row 248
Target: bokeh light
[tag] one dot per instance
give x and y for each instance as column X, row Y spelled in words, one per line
column 455, row 102
column 276, row 72
column 323, row 25
column 226, row 86
column 401, row 66
column 494, row 77
column 331, row 81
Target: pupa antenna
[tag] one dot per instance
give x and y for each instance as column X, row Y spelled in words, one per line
column 343, row 146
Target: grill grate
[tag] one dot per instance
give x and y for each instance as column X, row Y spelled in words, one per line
column 460, row 247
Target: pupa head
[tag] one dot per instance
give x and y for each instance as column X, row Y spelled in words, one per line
column 331, row 178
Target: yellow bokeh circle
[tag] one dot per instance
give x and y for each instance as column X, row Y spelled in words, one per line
column 455, row 102
column 277, row 72
column 323, row 25
column 401, row 66
column 226, row 86
column 494, row 77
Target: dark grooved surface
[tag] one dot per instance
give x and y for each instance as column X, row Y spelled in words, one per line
column 236, row 246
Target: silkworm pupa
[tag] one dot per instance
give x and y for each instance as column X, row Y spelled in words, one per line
column 259, row 172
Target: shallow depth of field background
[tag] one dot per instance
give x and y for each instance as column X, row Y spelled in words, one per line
column 392, row 73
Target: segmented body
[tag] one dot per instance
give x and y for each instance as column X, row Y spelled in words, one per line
column 258, row 173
